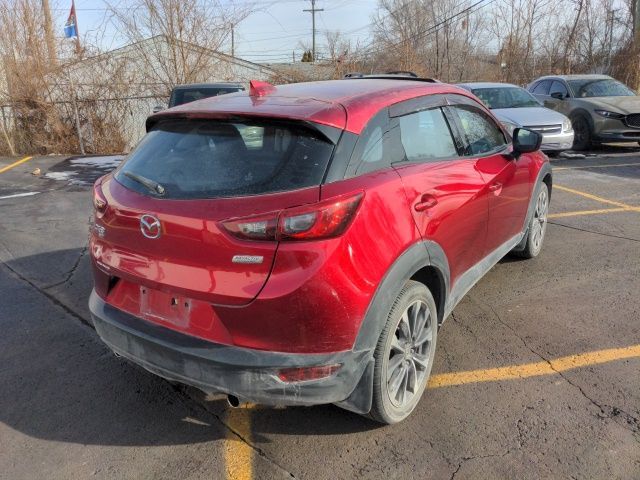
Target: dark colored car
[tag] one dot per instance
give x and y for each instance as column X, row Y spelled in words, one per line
column 601, row 108
column 314, row 262
column 197, row 91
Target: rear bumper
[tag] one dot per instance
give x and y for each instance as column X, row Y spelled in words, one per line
column 246, row 373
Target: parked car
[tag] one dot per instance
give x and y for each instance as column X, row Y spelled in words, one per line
column 515, row 107
column 197, row 91
column 316, row 265
column 601, row 108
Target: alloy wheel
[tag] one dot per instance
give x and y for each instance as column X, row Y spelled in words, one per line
column 539, row 226
column 409, row 358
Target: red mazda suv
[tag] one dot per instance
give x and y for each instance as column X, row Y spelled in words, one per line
column 301, row 244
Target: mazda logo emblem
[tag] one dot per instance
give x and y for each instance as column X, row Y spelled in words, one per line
column 150, row 226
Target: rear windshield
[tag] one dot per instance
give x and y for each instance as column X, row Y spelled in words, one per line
column 186, row 95
column 186, row 159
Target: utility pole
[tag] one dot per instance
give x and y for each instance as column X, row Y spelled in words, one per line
column 313, row 11
column 48, row 32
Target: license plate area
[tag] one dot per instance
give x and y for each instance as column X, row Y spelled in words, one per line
column 165, row 307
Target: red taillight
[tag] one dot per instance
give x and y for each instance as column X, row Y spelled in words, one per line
column 302, row 374
column 310, row 222
column 328, row 219
column 99, row 200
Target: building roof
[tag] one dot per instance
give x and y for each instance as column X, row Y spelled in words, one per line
column 345, row 104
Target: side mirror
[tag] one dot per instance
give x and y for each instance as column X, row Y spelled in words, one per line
column 525, row 141
column 158, row 108
column 558, row 96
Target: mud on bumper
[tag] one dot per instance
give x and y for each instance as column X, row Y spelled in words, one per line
column 246, row 373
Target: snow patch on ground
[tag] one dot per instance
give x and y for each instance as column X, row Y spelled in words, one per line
column 111, row 161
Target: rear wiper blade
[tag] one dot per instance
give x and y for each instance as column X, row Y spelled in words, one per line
column 152, row 186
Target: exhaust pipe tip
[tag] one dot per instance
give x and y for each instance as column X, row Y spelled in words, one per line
column 233, row 401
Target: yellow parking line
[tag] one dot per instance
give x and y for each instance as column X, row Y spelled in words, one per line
column 516, row 372
column 557, row 169
column 587, row 212
column 238, row 454
column 15, row 164
column 596, row 198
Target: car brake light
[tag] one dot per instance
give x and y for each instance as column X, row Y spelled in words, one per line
column 328, row 219
column 309, row 222
column 302, row 374
column 99, row 200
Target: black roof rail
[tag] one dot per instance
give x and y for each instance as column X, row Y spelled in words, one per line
column 405, row 73
column 394, row 75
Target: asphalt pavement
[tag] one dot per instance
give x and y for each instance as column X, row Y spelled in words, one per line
column 537, row 374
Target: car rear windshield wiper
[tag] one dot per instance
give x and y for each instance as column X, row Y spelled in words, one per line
column 152, row 186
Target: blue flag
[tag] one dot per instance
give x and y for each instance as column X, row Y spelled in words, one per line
column 71, row 27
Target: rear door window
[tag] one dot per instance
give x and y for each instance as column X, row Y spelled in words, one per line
column 426, row 137
column 211, row 159
column 482, row 134
column 558, row 87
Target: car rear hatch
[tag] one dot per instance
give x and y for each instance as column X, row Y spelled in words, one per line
column 162, row 229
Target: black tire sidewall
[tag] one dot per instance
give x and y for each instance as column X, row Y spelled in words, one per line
column 587, row 141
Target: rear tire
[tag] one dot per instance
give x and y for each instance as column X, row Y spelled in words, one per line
column 582, row 137
column 404, row 354
column 537, row 225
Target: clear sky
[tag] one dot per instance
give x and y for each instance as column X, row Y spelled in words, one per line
column 269, row 34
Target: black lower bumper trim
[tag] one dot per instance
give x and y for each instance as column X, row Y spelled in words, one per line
column 246, row 373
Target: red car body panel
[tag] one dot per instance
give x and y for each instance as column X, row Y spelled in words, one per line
column 193, row 256
column 509, row 186
column 314, row 281
column 458, row 220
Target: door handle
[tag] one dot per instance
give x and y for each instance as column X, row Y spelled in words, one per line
column 495, row 187
column 426, row 202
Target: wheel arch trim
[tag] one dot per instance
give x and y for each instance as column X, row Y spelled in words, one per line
column 426, row 253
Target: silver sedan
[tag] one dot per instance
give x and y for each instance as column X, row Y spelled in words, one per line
column 515, row 107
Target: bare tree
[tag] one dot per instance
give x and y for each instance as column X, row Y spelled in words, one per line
column 174, row 38
column 343, row 55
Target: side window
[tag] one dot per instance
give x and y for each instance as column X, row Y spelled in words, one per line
column 542, row 88
column 425, row 136
column 558, row 87
column 481, row 132
column 371, row 151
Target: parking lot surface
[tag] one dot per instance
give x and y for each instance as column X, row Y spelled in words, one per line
column 536, row 373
